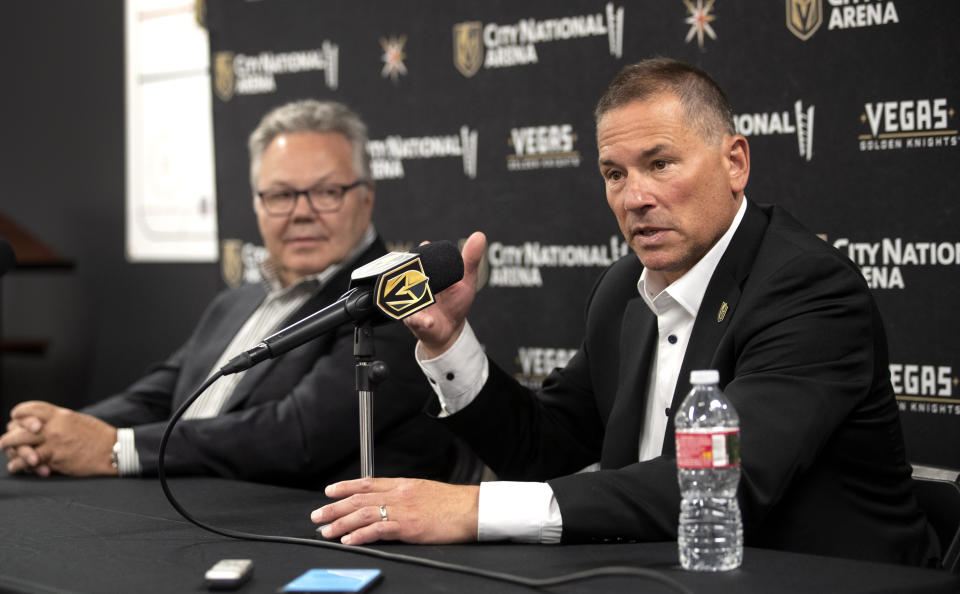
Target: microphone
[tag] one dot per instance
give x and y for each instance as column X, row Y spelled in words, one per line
column 7, row 258
column 391, row 287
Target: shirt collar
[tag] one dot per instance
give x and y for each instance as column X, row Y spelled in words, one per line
column 314, row 282
column 688, row 290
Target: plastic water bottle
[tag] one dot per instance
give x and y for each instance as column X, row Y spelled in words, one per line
column 710, row 537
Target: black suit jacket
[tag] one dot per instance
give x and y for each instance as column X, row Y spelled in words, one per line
column 802, row 356
column 292, row 420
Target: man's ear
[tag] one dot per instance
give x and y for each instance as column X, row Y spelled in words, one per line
column 738, row 162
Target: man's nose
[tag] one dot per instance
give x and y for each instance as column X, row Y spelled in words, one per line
column 303, row 208
column 639, row 195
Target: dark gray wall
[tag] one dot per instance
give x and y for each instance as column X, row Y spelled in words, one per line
column 63, row 179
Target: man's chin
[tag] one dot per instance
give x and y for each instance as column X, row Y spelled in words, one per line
column 652, row 258
column 657, row 261
column 311, row 264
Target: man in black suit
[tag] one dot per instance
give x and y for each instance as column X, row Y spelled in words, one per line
column 291, row 420
column 716, row 282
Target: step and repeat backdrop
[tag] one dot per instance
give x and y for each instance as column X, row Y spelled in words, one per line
column 480, row 117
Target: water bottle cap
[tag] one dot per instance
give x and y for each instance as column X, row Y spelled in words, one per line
column 704, row 376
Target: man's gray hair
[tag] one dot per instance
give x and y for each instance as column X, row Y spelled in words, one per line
column 310, row 115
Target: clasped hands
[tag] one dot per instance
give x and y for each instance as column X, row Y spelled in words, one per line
column 42, row 438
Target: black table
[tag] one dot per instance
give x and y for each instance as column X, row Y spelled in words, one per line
column 121, row 535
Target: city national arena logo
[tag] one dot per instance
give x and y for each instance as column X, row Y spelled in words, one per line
column 240, row 74
column 542, row 147
column 521, row 265
column 804, row 17
column 908, row 124
column 387, row 155
column 925, row 388
column 882, row 262
column 780, row 122
column 493, row 45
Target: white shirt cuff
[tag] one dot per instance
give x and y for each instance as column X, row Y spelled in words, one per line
column 458, row 374
column 128, row 460
column 521, row 512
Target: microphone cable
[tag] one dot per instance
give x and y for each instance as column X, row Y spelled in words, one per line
column 401, row 558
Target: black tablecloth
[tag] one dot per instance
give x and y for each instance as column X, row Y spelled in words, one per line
column 121, row 535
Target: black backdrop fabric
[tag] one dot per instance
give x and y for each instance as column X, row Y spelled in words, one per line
column 480, row 117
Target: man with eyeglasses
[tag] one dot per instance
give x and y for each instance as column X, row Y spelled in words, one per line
column 292, row 420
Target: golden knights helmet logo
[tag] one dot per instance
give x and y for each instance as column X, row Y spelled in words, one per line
column 404, row 290
column 223, row 81
column 468, row 47
column 231, row 262
column 804, row 17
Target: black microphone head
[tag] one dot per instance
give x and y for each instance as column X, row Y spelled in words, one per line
column 7, row 258
column 441, row 263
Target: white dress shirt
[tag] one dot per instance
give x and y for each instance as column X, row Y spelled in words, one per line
column 528, row 511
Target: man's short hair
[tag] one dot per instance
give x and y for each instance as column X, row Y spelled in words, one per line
column 704, row 103
column 310, row 115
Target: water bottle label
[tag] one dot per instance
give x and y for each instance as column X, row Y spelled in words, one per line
column 716, row 449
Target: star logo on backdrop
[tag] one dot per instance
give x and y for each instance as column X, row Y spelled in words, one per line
column 699, row 21
column 393, row 57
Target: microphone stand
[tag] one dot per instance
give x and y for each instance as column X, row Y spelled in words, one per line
column 368, row 373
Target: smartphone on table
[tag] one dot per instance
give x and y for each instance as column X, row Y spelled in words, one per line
column 333, row 580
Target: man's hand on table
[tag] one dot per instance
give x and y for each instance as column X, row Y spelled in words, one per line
column 417, row 511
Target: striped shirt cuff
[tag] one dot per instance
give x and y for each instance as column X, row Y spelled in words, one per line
column 128, row 460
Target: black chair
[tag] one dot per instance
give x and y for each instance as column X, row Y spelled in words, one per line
column 938, row 490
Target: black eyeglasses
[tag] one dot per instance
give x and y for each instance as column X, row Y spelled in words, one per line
column 321, row 198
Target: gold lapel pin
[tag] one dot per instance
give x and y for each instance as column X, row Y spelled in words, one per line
column 723, row 312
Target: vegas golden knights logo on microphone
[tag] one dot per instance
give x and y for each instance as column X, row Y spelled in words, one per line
column 404, row 290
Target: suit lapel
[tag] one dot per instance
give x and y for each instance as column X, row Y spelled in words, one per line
column 638, row 338
column 718, row 307
column 251, row 378
column 327, row 295
column 217, row 334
